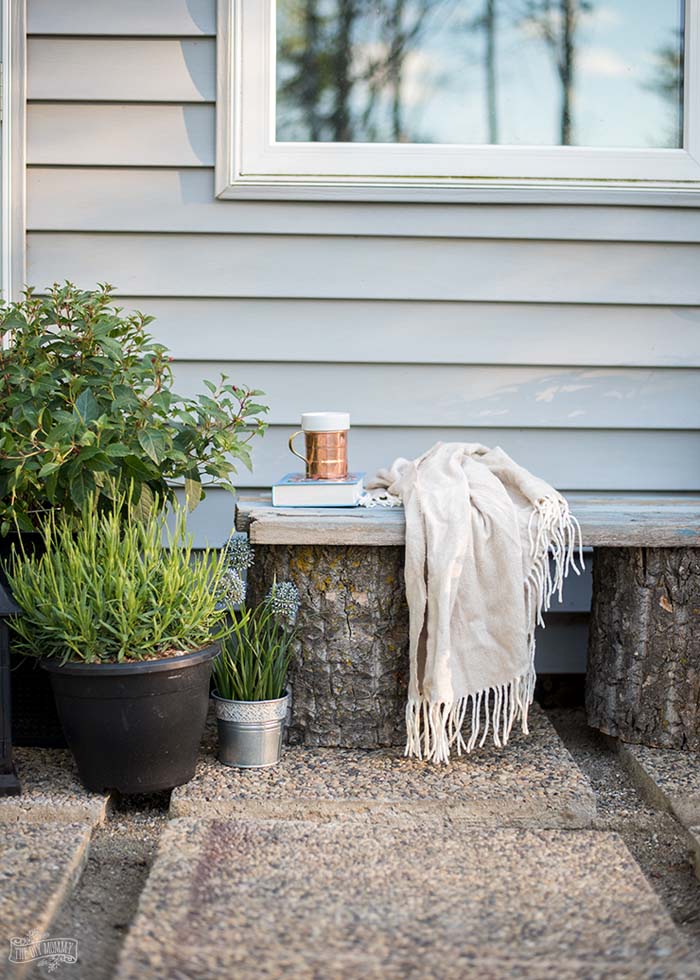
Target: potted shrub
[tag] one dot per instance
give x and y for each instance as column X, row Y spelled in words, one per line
column 87, row 398
column 127, row 628
column 250, row 673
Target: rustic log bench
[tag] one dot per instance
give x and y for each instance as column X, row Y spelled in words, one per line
column 349, row 674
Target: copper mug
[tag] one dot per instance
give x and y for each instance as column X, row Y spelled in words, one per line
column 326, row 438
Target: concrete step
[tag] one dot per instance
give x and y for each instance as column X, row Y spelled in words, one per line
column 669, row 779
column 51, row 790
column 384, row 898
column 39, row 865
column 693, row 834
column 533, row 782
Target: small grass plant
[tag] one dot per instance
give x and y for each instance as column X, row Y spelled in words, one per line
column 255, row 654
column 117, row 586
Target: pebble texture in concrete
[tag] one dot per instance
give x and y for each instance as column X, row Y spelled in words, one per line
column 668, row 778
column 694, row 840
column 51, row 790
column 239, row 898
column 533, row 782
column 39, row 865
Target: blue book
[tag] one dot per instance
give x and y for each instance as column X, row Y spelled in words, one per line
column 294, row 490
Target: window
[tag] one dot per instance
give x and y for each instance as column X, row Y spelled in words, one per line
column 442, row 99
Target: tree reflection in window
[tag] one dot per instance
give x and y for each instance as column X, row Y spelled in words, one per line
column 518, row 72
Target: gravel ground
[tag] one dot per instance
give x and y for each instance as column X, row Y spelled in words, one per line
column 105, row 901
column 101, row 908
column 654, row 838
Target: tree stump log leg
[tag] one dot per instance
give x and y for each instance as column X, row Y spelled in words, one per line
column 349, row 673
column 643, row 677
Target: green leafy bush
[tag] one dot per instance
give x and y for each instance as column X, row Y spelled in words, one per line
column 107, row 590
column 87, row 402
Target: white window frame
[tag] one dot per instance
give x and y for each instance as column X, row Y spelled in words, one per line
column 250, row 163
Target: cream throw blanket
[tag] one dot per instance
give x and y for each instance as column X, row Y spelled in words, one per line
column 479, row 531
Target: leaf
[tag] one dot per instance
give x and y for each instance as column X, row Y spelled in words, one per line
column 88, row 452
column 86, row 406
column 136, row 468
column 48, row 468
column 193, row 491
column 87, row 438
column 143, row 509
column 153, row 444
column 244, row 453
column 117, row 449
column 111, row 347
column 209, row 403
column 81, row 486
column 97, row 461
column 162, row 401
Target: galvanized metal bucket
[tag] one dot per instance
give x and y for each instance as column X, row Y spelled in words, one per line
column 250, row 732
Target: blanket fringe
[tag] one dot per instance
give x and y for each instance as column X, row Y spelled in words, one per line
column 557, row 535
column 434, row 728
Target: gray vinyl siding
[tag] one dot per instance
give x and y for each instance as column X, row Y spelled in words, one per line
column 570, row 335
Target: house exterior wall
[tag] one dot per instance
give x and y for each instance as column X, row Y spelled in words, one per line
column 569, row 335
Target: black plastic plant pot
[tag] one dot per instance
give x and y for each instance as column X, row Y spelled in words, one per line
column 134, row 727
column 34, row 717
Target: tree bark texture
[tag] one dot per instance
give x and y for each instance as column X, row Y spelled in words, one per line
column 350, row 668
column 643, row 678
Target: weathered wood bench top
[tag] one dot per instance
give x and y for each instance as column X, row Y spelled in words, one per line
column 607, row 520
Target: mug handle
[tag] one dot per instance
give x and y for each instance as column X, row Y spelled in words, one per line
column 293, row 450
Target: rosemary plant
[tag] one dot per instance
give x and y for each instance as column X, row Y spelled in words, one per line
column 108, row 589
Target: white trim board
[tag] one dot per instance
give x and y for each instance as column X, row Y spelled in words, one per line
column 13, row 147
column 251, row 164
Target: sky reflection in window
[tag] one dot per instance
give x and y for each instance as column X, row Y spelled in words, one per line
column 598, row 73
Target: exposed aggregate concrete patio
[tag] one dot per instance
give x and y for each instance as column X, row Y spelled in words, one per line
column 39, row 866
column 373, row 866
column 671, row 779
column 383, row 898
column 51, row 790
column 532, row 783
column 694, row 841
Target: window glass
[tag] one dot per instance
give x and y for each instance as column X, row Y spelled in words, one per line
column 597, row 73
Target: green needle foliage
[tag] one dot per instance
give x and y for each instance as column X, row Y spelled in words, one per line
column 254, row 658
column 107, row 590
column 87, row 400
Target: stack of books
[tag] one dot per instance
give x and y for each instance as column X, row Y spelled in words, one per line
column 294, row 490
